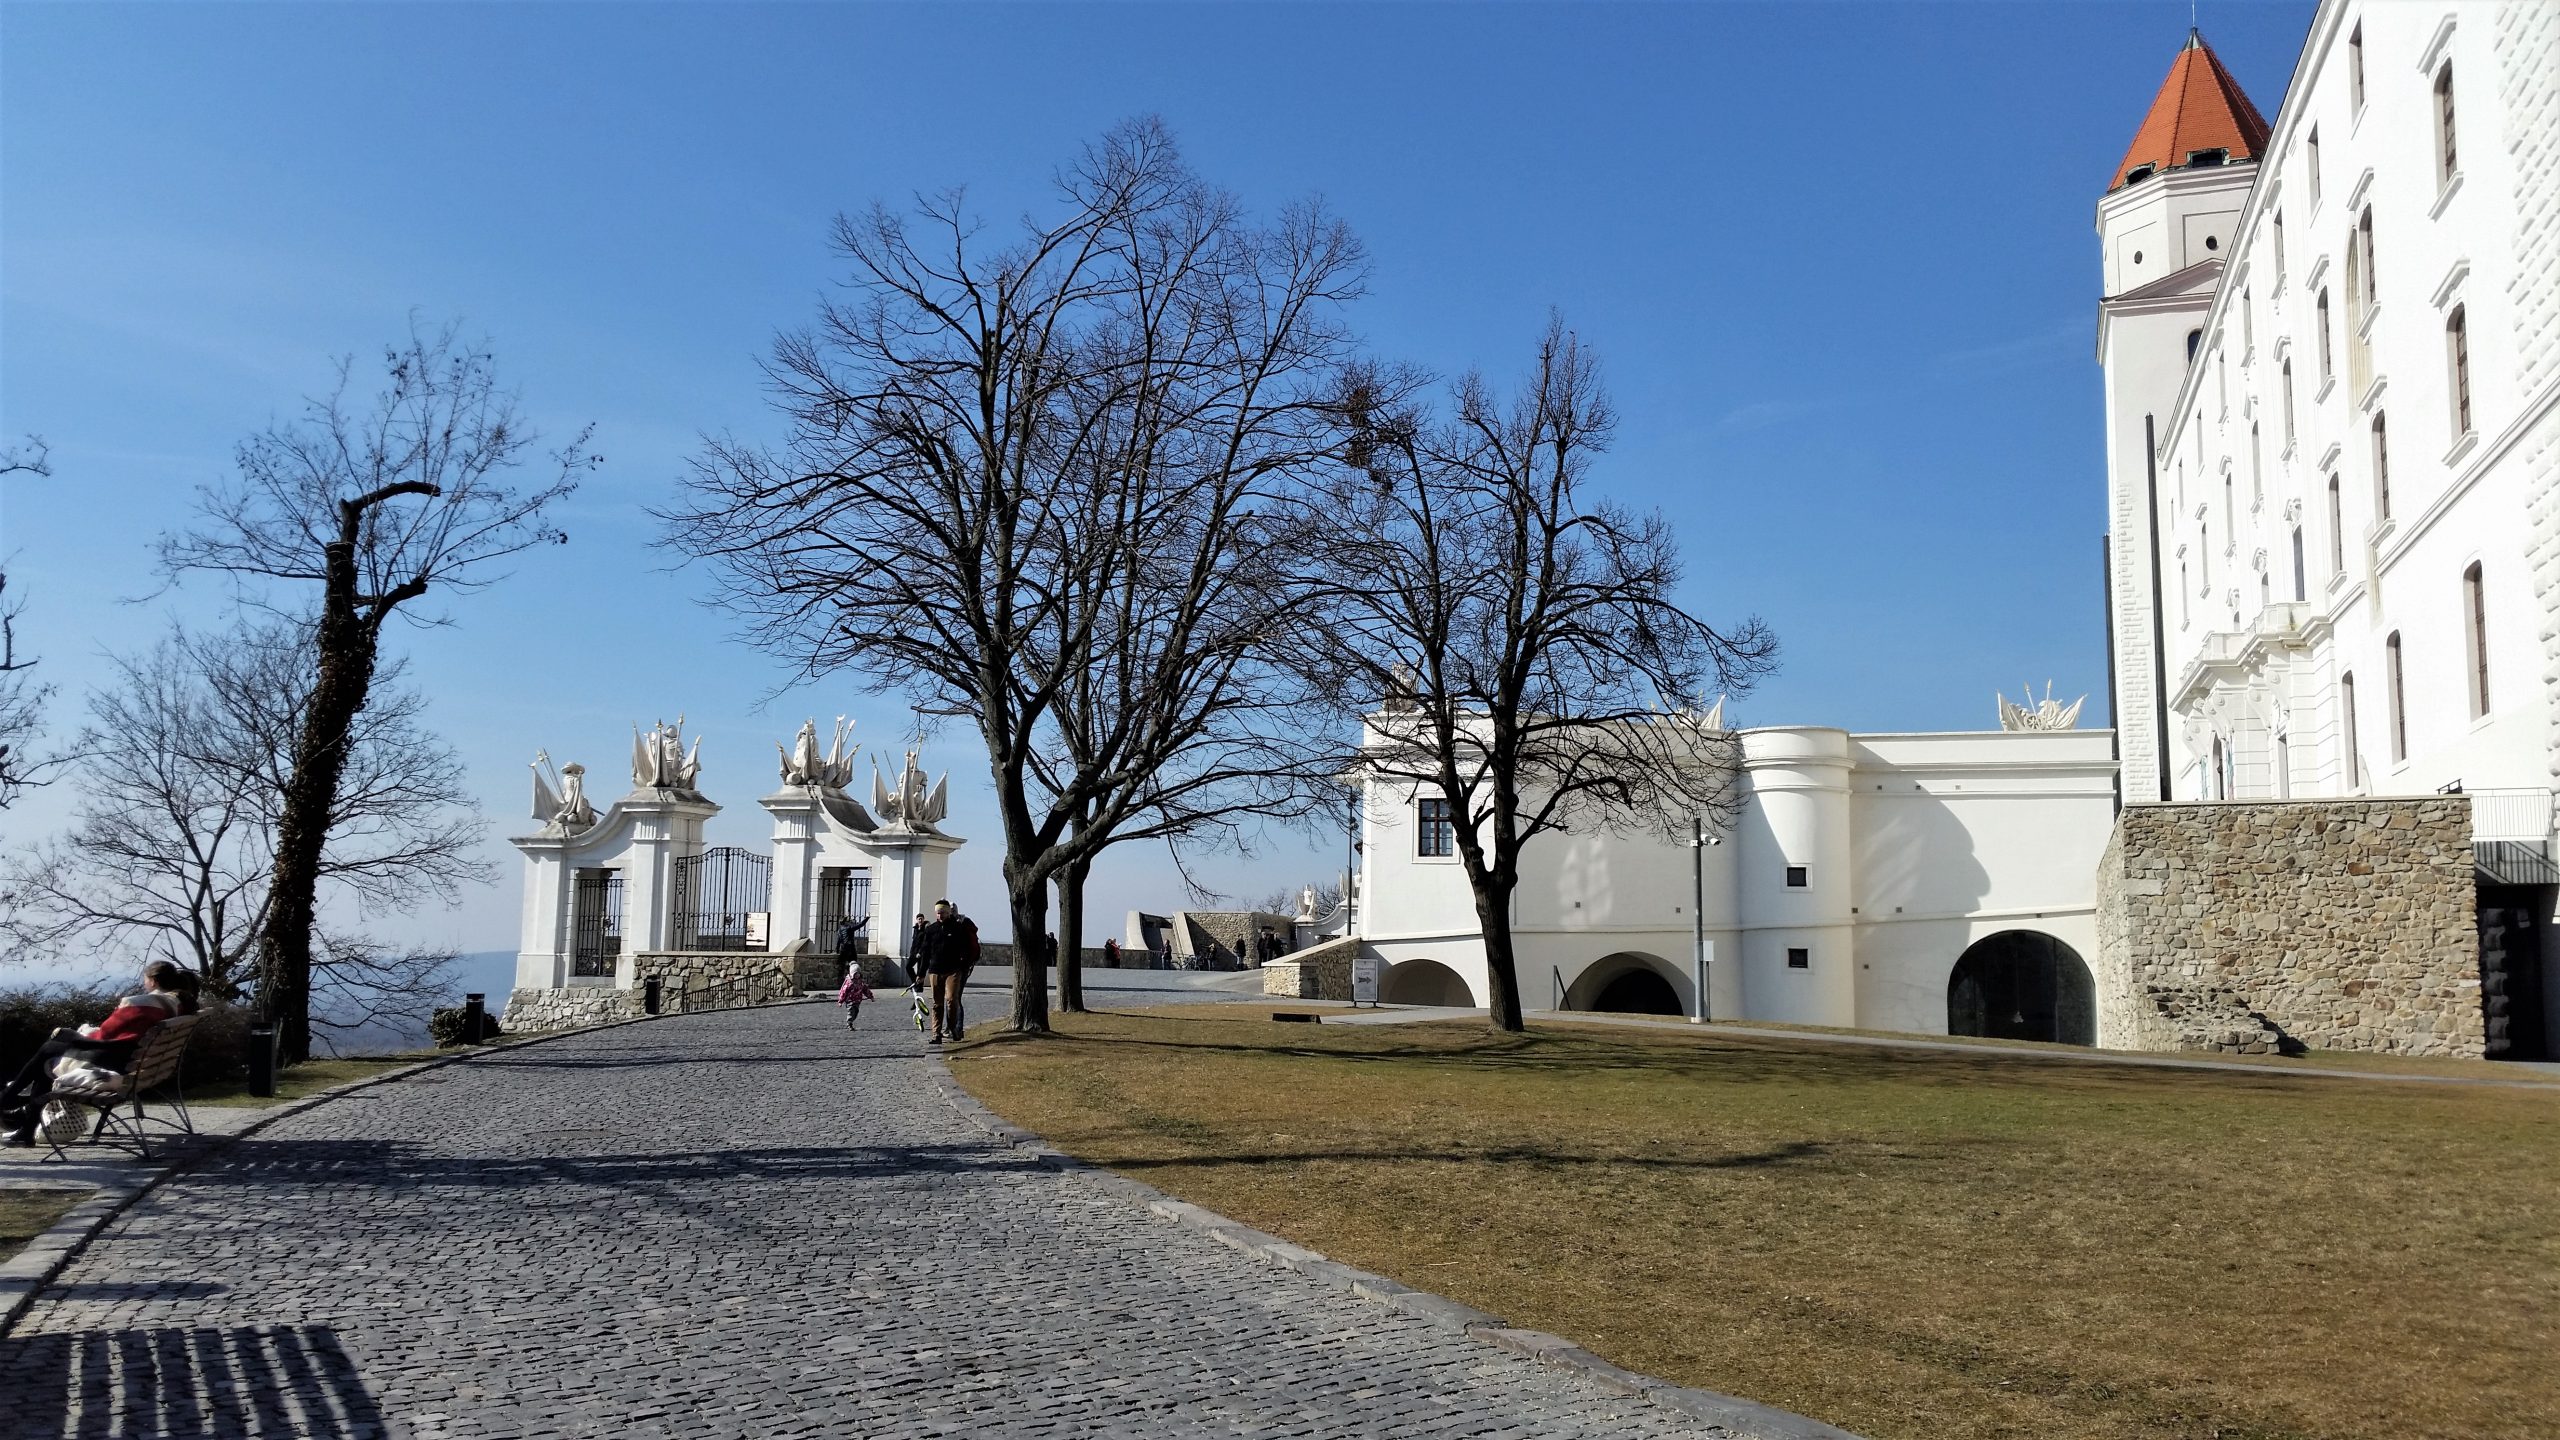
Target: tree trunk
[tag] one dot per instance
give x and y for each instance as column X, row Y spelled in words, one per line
column 1502, row 976
column 1071, row 938
column 1030, row 907
column 346, row 650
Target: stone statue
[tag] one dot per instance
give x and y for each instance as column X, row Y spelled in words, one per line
column 2048, row 714
column 803, row 765
column 1307, row 903
column 561, row 801
column 659, row 760
column 911, row 806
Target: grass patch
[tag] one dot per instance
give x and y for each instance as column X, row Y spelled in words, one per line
column 26, row 1212
column 296, row 1082
column 1907, row 1243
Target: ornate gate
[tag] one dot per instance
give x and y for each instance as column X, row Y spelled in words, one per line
column 715, row 894
column 843, row 895
column 595, row 941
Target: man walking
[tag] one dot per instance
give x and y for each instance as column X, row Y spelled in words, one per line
column 947, row 950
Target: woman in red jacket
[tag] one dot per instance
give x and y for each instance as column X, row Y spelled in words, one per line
column 167, row 989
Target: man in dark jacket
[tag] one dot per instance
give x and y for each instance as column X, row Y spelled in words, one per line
column 948, row 951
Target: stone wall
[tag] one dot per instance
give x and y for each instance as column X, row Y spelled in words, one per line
column 1321, row 972
column 572, row 1009
column 2246, row 925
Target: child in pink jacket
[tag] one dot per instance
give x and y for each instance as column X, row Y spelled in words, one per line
column 854, row 991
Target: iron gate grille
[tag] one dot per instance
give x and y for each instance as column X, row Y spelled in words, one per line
column 715, row 892
column 595, row 947
column 844, row 895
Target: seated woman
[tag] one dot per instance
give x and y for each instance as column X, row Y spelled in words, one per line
column 167, row 990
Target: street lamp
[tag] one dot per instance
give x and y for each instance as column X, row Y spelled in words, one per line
column 1705, row 953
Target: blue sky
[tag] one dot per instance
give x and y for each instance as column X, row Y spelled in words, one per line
column 1837, row 258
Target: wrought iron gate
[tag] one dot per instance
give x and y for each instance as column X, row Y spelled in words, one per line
column 715, row 893
column 843, row 895
column 595, row 924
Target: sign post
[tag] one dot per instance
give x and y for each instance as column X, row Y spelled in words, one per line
column 1365, row 973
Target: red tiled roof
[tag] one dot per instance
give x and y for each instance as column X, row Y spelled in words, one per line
column 2199, row 107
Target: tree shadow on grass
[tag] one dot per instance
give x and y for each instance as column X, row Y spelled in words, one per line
column 246, row 1380
column 1815, row 1153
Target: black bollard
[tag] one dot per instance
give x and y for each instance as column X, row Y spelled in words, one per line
column 649, row 995
column 262, row 1060
column 475, row 1019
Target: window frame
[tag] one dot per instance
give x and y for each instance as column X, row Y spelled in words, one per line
column 2347, row 729
column 1431, row 828
column 1799, row 957
column 2395, row 686
column 2475, row 626
column 2457, row 332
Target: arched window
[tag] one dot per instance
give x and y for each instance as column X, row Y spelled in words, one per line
column 2347, row 730
column 2364, row 249
column 2275, row 229
column 2230, row 516
column 2458, row 348
column 2396, row 693
column 2475, row 628
column 2337, row 531
column 2381, row 470
column 2355, row 67
column 2284, row 382
column 2447, row 156
column 2301, row 590
column 2311, row 164
column 2194, row 338
column 2321, row 318
column 2220, row 779
column 2257, row 466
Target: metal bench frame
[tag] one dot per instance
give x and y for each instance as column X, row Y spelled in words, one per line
column 154, row 1074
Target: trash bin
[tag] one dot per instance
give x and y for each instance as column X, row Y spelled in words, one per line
column 475, row 1019
column 262, row 1060
column 649, row 995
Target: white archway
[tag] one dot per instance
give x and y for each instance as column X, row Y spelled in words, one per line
column 1424, row 982
column 1631, row 982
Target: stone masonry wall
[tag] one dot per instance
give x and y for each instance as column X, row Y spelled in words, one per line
column 572, row 1009
column 1319, row 972
column 2343, row 924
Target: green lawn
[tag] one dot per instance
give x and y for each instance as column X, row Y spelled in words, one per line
column 26, row 1212
column 1907, row 1243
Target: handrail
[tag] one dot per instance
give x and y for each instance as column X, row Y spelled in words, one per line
column 1558, row 972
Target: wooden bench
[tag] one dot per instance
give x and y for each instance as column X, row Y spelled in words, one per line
column 119, row 1099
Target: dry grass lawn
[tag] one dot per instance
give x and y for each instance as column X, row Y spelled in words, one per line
column 294, row 1082
column 27, row 1212
column 1921, row 1244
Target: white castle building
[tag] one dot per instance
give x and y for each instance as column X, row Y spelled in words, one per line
column 2331, row 351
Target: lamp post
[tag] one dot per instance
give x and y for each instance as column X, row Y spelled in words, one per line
column 1704, row 952
column 1350, row 859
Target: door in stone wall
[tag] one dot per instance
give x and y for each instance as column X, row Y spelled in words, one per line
column 2022, row 985
column 2511, row 970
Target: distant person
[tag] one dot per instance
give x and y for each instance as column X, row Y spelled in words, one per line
column 167, row 990
column 848, row 946
column 948, row 951
column 915, row 949
column 1111, row 954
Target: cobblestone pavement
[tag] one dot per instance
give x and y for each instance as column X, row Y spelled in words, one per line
column 738, row 1224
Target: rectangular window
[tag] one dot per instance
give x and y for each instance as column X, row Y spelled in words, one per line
column 2321, row 318
column 2395, row 692
column 2458, row 340
column 2284, row 768
column 1799, row 958
column 1795, row 877
column 2347, row 730
column 2372, row 270
column 2337, row 531
column 2275, row 228
column 2284, row 382
column 1439, row 833
column 2381, row 471
column 2301, row 590
column 2355, row 67
column 2248, row 326
column 2475, row 620
column 2311, row 157
column 2446, row 154
column 2257, row 466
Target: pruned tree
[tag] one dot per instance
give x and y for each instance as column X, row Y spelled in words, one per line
column 1514, row 639
column 372, row 506
column 181, row 775
column 1015, row 468
column 22, row 698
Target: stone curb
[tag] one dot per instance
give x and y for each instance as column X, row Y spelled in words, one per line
column 1726, row 1417
column 24, row 1275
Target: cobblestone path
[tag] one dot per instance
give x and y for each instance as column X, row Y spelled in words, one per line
column 710, row 1226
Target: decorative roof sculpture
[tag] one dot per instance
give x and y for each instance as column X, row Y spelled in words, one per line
column 911, row 806
column 659, row 760
column 560, row 796
column 2048, row 714
column 803, row 765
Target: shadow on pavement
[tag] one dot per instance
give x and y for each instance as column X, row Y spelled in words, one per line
column 248, row 1380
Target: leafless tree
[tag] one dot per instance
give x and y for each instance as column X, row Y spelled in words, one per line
column 377, row 505
column 22, row 699
column 1528, row 667
column 182, row 774
column 1019, row 473
column 1284, row 901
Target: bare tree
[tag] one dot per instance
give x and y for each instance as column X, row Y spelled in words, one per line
column 1535, row 673
column 1285, row 901
column 377, row 505
column 1012, row 466
column 22, row 699
column 182, row 772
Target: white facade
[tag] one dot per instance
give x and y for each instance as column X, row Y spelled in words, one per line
column 1858, row 871
column 2335, row 545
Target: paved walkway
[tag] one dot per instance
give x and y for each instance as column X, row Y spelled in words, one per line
column 703, row 1227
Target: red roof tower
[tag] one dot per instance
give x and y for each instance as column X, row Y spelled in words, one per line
column 2199, row 118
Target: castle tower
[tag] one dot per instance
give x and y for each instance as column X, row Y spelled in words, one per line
column 2168, row 219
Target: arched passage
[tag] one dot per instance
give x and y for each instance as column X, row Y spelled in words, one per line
column 2022, row 985
column 1629, row 983
column 1423, row 982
